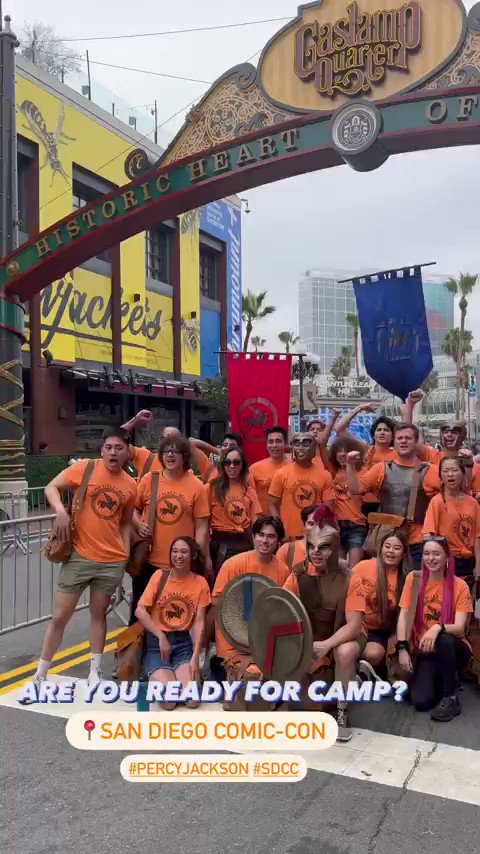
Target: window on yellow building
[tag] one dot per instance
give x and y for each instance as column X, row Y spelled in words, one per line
column 158, row 253
column 82, row 195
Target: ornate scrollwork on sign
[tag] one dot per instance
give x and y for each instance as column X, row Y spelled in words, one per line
column 233, row 107
column 462, row 71
column 137, row 163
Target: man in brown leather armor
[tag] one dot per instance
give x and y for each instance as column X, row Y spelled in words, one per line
column 335, row 604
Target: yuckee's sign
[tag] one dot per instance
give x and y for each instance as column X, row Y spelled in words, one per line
column 335, row 51
column 353, row 54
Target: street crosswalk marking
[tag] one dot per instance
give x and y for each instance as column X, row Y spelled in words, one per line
column 426, row 767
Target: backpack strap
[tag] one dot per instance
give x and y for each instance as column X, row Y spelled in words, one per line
column 149, row 463
column 153, row 500
column 161, row 586
column 80, row 493
column 299, row 569
column 290, row 555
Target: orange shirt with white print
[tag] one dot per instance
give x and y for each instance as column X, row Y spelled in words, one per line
column 108, row 497
column 366, row 571
column 262, row 474
column 432, row 606
column 180, row 502
column 355, row 600
column 434, row 457
column 139, row 458
column 244, row 564
column 457, row 521
column 297, row 549
column 347, row 507
column 298, row 487
column 371, row 481
column 181, row 598
column 238, row 510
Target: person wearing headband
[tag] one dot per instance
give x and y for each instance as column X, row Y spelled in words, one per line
column 299, row 484
column 436, row 648
column 335, row 603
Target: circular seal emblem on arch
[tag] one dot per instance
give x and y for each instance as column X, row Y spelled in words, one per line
column 256, row 415
column 280, row 635
column 355, row 128
column 235, row 607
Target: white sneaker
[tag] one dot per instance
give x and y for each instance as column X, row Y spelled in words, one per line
column 37, row 681
column 94, row 677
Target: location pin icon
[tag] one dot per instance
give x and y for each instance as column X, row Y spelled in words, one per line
column 89, row 726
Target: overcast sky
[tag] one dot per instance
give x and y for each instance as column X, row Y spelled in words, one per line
column 416, row 208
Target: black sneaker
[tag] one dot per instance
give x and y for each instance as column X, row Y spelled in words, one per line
column 344, row 725
column 447, row 710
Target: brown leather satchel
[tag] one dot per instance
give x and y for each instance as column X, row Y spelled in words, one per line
column 129, row 650
column 381, row 524
column 58, row 551
column 140, row 550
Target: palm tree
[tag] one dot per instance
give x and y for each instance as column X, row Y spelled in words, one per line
column 354, row 323
column 343, row 364
column 258, row 342
column 456, row 345
column 253, row 309
column 462, row 288
column 288, row 339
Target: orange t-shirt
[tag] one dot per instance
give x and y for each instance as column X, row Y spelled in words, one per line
column 433, row 600
column 139, row 459
column 371, row 481
column 457, row 521
column 355, row 600
column 179, row 602
column 475, row 481
column 299, row 487
column 318, row 459
column 97, row 531
column 366, row 571
column 347, row 507
column 237, row 512
column 180, row 501
column 376, row 455
column 299, row 553
column 244, row 564
column 262, row 474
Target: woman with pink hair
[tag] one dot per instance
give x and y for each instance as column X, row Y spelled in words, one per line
column 437, row 649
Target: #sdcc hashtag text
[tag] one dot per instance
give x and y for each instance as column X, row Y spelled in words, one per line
column 210, row 692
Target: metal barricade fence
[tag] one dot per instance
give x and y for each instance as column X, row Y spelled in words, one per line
column 31, row 499
column 27, row 578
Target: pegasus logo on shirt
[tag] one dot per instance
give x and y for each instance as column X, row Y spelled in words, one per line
column 106, row 502
column 304, row 493
column 170, row 508
column 177, row 612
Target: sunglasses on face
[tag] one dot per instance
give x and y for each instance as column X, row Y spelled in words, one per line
column 433, row 539
column 232, row 463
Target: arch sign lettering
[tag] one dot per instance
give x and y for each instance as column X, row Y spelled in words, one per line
column 345, row 82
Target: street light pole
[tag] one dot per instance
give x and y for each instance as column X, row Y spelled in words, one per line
column 301, row 406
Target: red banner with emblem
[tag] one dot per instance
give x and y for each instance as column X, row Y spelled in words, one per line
column 259, row 397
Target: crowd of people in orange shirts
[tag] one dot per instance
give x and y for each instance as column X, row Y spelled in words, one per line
column 380, row 542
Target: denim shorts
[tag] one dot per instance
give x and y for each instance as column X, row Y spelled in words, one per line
column 352, row 536
column 181, row 651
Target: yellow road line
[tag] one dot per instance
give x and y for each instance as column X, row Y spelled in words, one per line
column 58, row 669
column 4, row 677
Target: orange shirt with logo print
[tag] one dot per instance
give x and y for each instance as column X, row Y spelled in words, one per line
column 355, row 600
column 237, row 513
column 434, row 457
column 366, row 571
column 462, row 601
column 298, row 487
column 179, row 601
column 97, row 529
column 457, row 521
column 347, row 507
column 139, row 459
column 244, row 564
column 180, row 501
column 371, row 481
column 262, row 474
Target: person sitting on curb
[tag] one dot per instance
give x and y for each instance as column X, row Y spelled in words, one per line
column 438, row 648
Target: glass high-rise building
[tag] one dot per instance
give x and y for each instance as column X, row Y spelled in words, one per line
column 440, row 308
column 323, row 305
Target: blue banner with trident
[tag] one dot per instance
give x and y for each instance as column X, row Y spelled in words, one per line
column 393, row 325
